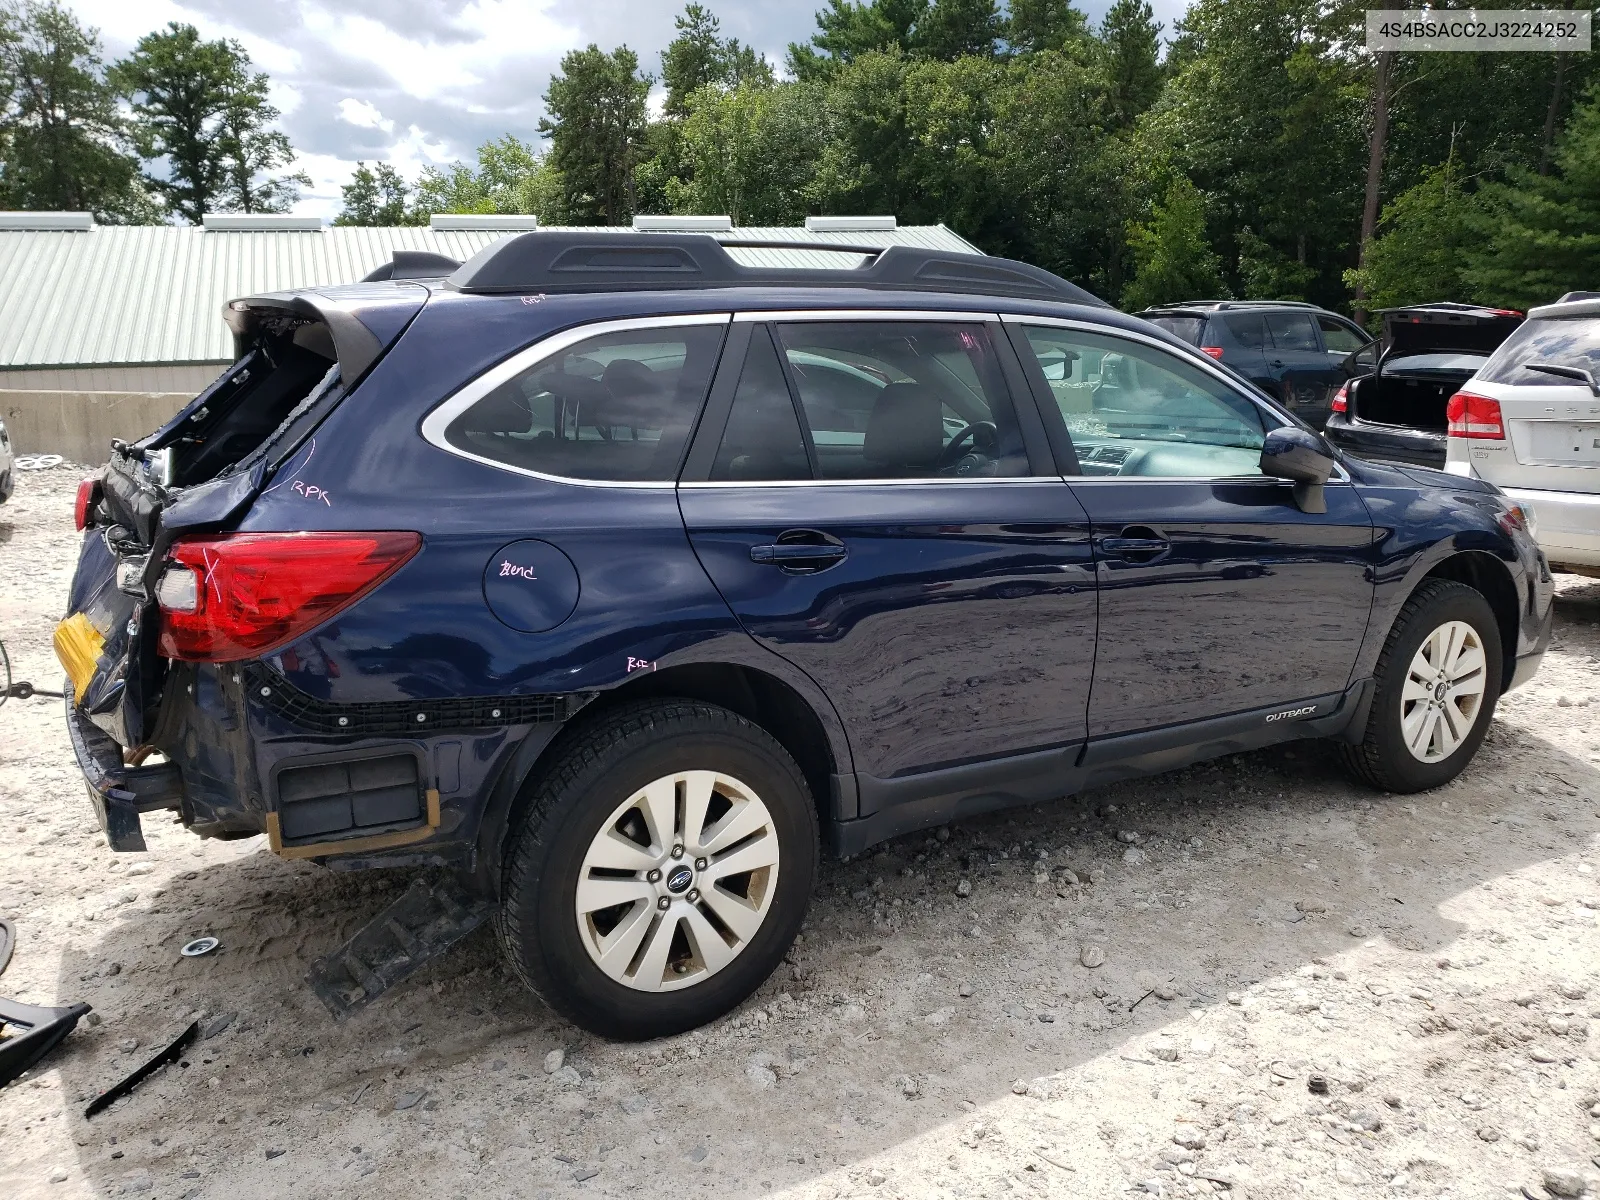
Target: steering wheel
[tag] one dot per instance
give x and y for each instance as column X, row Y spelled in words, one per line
column 982, row 435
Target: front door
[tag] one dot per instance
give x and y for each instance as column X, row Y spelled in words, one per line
column 861, row 494
column 1217, row 594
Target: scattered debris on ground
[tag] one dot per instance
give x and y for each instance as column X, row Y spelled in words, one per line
column 1295, row 988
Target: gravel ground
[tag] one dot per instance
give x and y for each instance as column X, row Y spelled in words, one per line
column 1303, row 989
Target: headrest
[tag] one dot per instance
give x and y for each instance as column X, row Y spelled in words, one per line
column 905, row 429
column 634, row 396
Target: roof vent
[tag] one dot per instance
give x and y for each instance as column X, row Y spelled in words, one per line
column 683, row 224
column 463, row 222
column 260, row 223
column 77, row 222
column 848, row 224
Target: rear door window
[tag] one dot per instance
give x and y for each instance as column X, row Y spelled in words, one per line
column 616, row 407
column 1564, row 341
column 1248, row 329
column 1292, row 331
column 896, row 400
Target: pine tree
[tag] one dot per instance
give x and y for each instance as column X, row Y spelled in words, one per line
column 597, row 120
column 1173, row 259
column 374, row 196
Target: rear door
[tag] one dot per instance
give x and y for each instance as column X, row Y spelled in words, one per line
column 875, row 508
column 1307, row 376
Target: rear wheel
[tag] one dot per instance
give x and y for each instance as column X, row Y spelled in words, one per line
column 661, row 870
column 1437, row 682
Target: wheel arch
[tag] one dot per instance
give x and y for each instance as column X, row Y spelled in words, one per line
column 759, row 696
column 1491, row 579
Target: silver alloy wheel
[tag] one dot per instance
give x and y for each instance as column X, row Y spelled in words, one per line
column 1443, row 692
column 678, row 881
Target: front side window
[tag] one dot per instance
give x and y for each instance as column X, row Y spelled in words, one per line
column 1339, row 338
column 615, row 407
column 872, row 400
column 1132, row 409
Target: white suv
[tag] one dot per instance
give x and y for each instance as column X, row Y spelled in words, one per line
column 1529, row 422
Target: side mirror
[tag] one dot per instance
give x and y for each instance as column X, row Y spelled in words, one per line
column 1290, row 452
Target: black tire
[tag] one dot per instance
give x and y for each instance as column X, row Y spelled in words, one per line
column 538, row 916
column 1381, row 759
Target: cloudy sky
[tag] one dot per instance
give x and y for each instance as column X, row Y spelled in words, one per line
column 413, row 82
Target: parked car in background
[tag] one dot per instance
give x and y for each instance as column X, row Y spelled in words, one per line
column 8, row 465
column 1393, row 407
column 1529, row 422
column 1296, row 353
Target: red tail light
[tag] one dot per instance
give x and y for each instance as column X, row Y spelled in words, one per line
column 242, row 595
column 1214, row 351
column 83, row 504
column 1341, row 399
column 1473, row 416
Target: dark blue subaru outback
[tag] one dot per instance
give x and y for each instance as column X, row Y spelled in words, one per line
column 620, row 579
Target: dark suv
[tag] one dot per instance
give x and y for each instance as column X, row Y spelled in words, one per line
column 622, row 579
column 1294, row 352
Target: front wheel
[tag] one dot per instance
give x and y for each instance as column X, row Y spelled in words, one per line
column 1437, row 682
column 661, row 870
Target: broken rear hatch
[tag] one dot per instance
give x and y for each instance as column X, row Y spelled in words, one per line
column 297, row 355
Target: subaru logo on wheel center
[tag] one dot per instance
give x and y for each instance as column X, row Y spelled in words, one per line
column 679, row 879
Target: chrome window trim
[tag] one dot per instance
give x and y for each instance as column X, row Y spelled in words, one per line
column 463, row 398
column 794, row 315
column 1206, row 367
column 924, row 481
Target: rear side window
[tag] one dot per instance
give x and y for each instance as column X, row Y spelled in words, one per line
column 1187, row 328
column 1248, row 329
column 616, row 407
column 1565, row 341
column 1292, row 331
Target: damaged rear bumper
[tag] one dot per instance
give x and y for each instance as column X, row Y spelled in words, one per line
column 119, row 792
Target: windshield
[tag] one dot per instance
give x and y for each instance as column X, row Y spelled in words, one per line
column 1566, row 341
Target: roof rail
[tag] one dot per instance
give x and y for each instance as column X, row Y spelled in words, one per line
column 413, row 264
column 561, row 261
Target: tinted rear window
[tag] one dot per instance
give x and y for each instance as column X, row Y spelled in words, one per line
column 1292, row 331
column 1566, row 341
column 1187, row 328
column 1248, row 329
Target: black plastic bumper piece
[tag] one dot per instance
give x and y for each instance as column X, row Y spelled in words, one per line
column 413, row 931
column 120, row 792
column 43, row 1030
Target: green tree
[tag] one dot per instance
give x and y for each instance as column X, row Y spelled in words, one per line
column 1034, row 25
column 1426, row 234
column 1539, row 235
column 750, row 153
column 63, row 144
column 699, row 56
column 511, row 177
column 251, row 149
column 846, row 30
column 1130, row 43
column 1173, row 259
column 374, row 196
column 203, row 114
column 596, row 124
column 952, row 29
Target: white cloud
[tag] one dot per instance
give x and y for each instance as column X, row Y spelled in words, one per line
column 363, row 114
